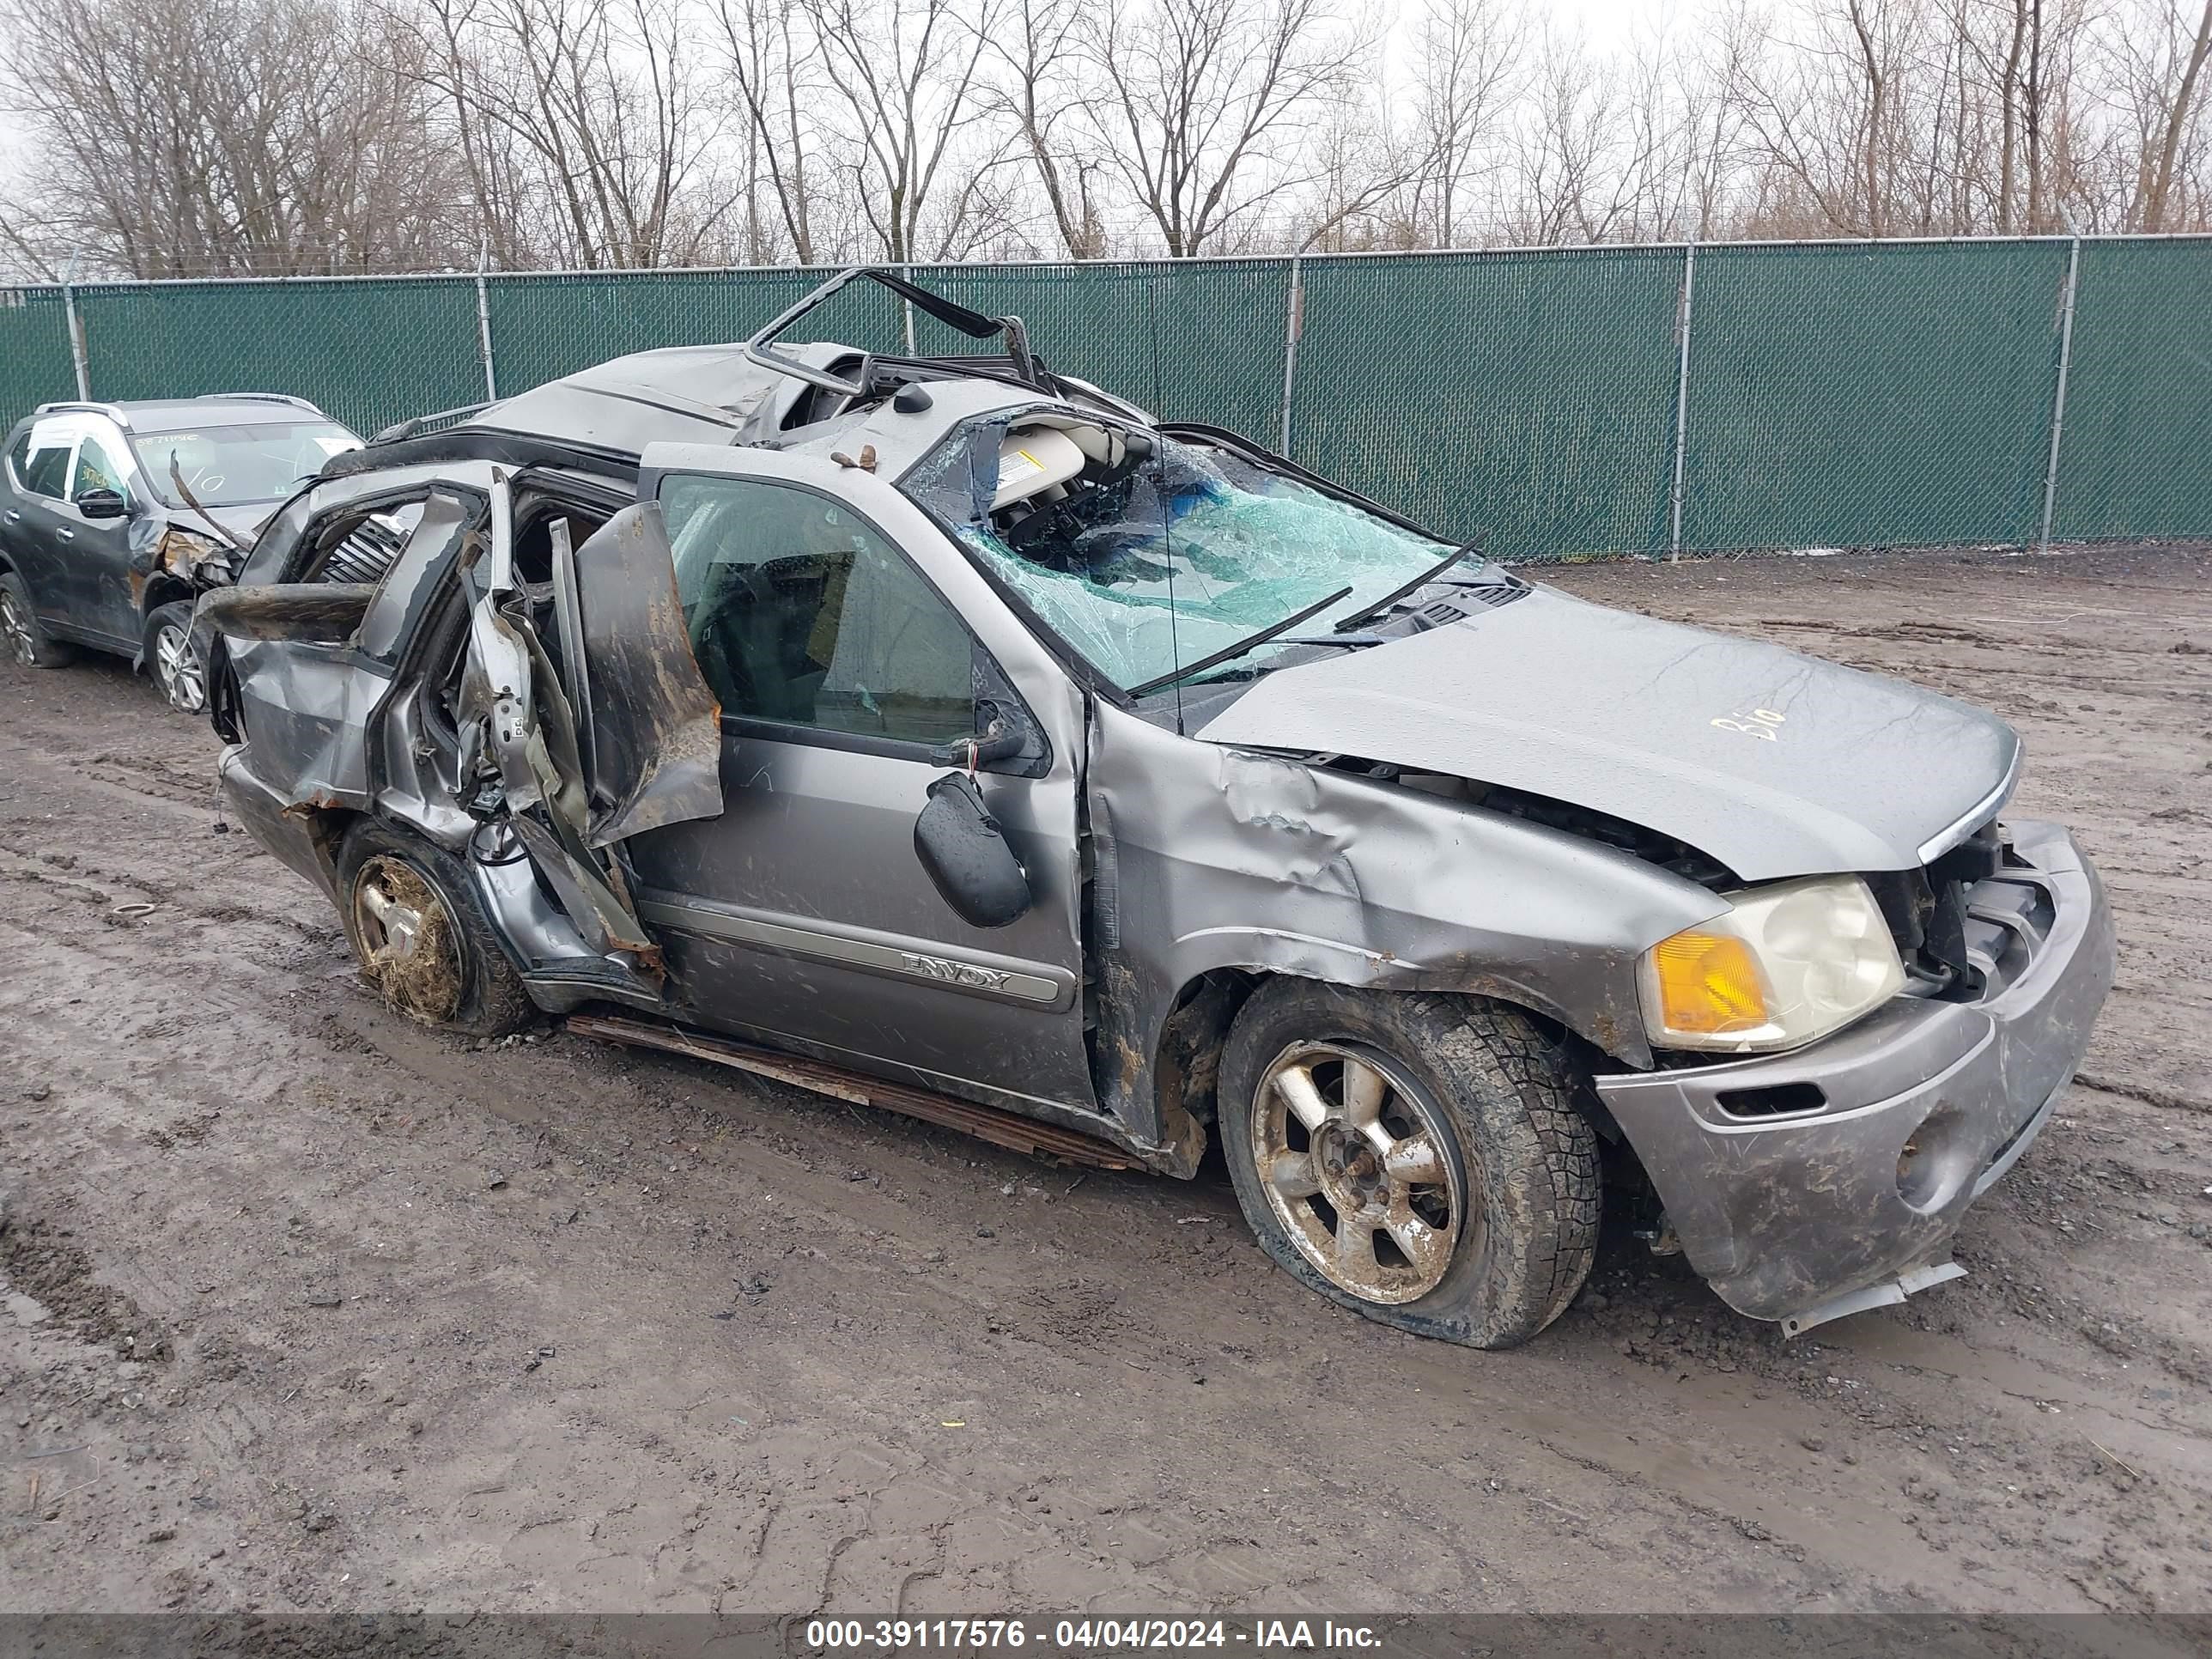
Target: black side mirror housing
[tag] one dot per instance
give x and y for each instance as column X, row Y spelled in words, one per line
column 102, row 504
column 967, row 856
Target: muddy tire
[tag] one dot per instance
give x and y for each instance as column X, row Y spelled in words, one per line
column 172, row 661
column 411, row 916
column 22, row 642
column 1416, row 1158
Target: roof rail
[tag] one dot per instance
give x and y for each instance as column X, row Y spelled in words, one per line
column 80, row 406
column 257, row 397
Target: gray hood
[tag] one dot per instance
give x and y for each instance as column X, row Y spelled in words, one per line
column 1617, row 712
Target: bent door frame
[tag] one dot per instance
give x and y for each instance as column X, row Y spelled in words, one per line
column 1006, row 998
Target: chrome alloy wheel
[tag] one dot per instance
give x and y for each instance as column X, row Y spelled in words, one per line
column 177, row 666
column 408, row 946
column 16, row 631
column 1352, row 1155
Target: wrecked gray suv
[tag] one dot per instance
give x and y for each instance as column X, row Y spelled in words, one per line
column 947, row 733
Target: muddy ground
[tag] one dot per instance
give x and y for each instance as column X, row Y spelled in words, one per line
column 307, row 1308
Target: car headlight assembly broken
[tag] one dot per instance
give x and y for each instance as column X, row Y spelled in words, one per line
column 1787, row 964
column 188, row 553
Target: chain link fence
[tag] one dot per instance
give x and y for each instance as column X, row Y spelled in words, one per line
column 1576, row 403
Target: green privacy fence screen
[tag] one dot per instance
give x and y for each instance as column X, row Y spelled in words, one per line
column 1573, row 403
column 1523, row 394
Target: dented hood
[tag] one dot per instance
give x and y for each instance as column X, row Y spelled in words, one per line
column 243, row 522
column 1774, row 764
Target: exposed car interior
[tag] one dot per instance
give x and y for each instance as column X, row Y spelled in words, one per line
column 800, row 613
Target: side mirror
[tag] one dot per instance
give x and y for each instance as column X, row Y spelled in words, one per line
column 966, row 854
column 102, row 504
column 1001, row 740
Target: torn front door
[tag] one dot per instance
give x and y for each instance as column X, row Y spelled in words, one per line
column 568, row 749
column 857, row 654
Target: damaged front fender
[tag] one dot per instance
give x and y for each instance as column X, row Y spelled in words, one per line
column 1361, row 882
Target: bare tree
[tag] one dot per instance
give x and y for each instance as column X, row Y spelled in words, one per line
column 582, row 127
column 1358, row 169
column 1579, row 154
column 2175, row 113
column 169, row 137
column 1827, row 112
column 906, row 73
column 775, row 63
column 1207, row 102
column 1469, row 62
column 1043, row 93
column 227, row 137
column 1680, row 135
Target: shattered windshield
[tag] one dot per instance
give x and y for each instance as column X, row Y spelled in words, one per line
column 1146, row 555
column 234, row 466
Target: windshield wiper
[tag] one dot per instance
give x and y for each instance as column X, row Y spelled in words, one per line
column 1415, row 585
column 1251, row 642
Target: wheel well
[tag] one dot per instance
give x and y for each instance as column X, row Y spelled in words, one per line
column 1196, row 1030
column 165, row 590
column 1186, row 1064
column 327, row 828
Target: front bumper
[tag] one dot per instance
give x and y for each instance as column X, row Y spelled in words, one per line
column 1795, row 1206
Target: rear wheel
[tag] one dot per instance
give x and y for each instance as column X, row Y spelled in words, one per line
column 1416, row 1158
column 413, row 920
column 173, row 660
column 21, row 636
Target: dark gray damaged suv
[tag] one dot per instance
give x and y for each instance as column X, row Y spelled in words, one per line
column 946, row 733
column 114, row 518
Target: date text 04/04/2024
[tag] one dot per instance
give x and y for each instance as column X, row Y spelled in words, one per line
column 897, row 1635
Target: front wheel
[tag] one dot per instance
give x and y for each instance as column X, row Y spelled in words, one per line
column 411, row 916
column 174, row 660
column 1417, row 1158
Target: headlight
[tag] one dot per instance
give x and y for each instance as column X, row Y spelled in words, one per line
column 188, row 553
column 1789, row 963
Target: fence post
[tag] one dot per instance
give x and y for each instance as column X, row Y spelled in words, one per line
column 1681, row 400
column 79, row 358
column 1294, row 326
column 906, row 312
column 484, row 325
column 2058, row 399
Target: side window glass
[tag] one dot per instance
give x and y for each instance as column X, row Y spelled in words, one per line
column 47, row 472
column 19, row 460
column 96, row 468
column 799, row 613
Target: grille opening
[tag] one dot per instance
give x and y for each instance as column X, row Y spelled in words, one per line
column 1777, row 1100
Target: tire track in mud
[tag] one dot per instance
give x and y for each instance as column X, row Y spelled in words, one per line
column 1061, row 1345
column 548, row 1325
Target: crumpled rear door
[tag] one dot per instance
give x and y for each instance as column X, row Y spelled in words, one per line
column 618, row 736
